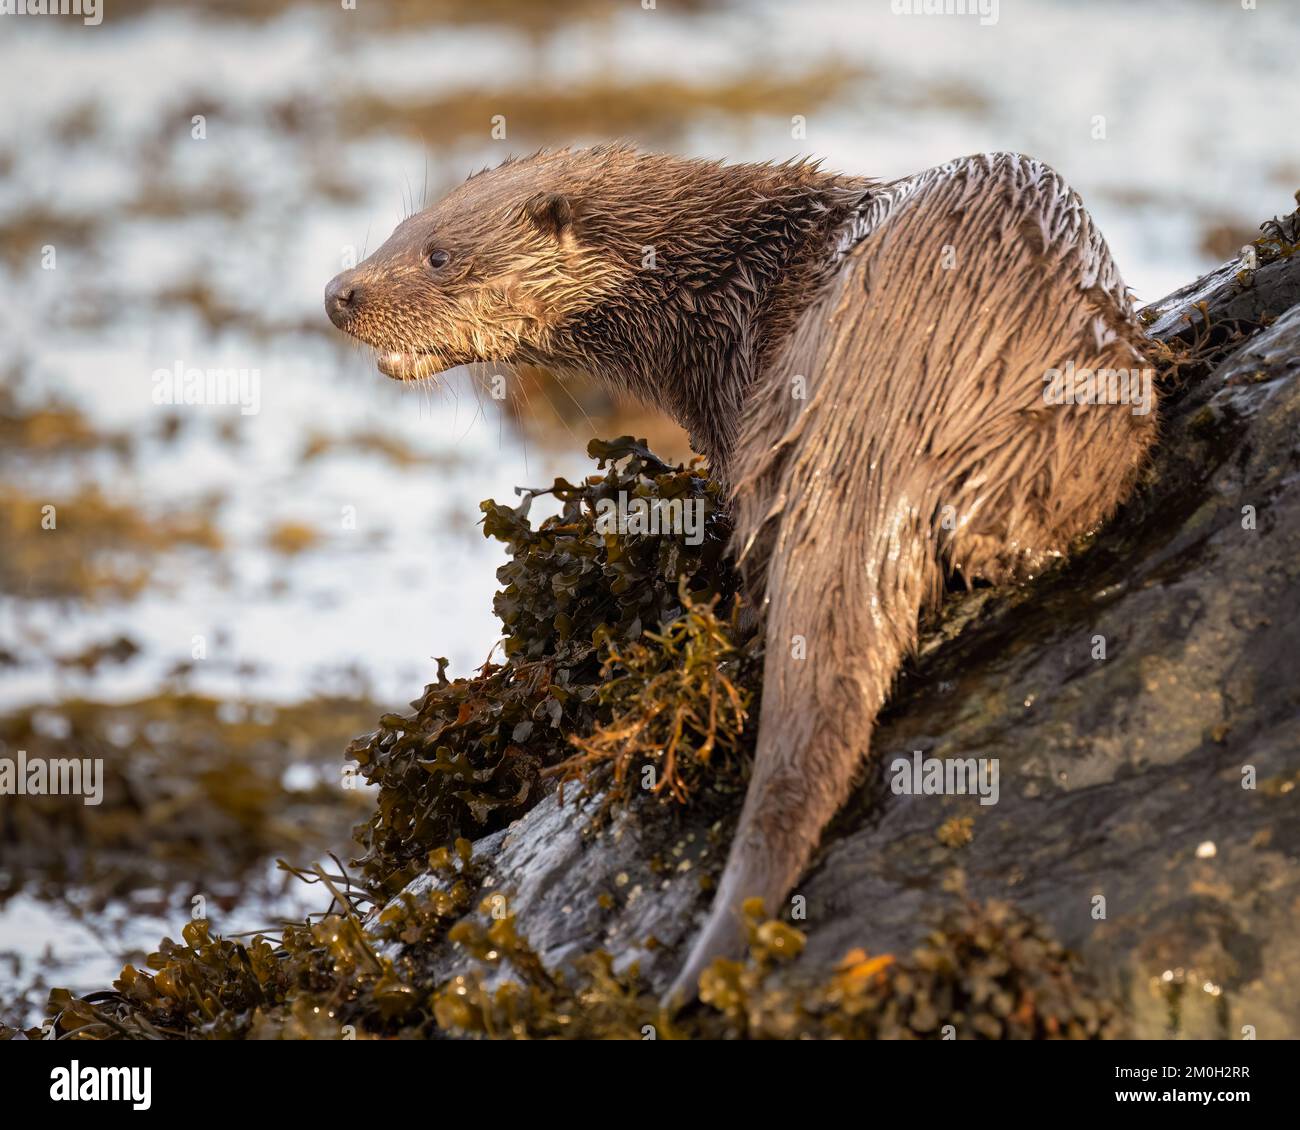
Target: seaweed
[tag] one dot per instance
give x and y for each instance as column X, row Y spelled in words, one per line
column 475, row 752
column 986, row 971
column 680, row 699
column 325, row 979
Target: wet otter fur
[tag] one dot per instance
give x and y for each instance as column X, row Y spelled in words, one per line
column 863, row 364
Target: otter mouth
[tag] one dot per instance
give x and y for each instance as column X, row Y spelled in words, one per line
column 408, row 366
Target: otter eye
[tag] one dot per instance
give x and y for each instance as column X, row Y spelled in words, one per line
column 438, row 258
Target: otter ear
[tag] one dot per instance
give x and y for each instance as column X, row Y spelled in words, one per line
column 549, row 212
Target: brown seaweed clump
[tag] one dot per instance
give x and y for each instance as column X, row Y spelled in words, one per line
column 574, row 602
column 987, row 971
column 680, row 699
column 329, row 979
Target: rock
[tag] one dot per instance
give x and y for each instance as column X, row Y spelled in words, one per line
column 1149, row 801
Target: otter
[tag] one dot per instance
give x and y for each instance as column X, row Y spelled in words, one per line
column 863, row 363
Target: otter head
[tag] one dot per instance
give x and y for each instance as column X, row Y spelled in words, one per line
column 664, row 277
column 489, row 274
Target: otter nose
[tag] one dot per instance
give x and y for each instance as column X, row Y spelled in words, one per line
column 341, row 300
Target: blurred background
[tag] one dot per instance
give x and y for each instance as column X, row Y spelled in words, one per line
column 225, row 599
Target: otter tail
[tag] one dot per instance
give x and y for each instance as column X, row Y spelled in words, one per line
column 835, row 640
column 837, row 560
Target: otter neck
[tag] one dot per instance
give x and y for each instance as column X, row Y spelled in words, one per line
column 733, row 267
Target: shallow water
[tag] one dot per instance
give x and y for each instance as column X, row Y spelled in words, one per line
column 323, row 128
